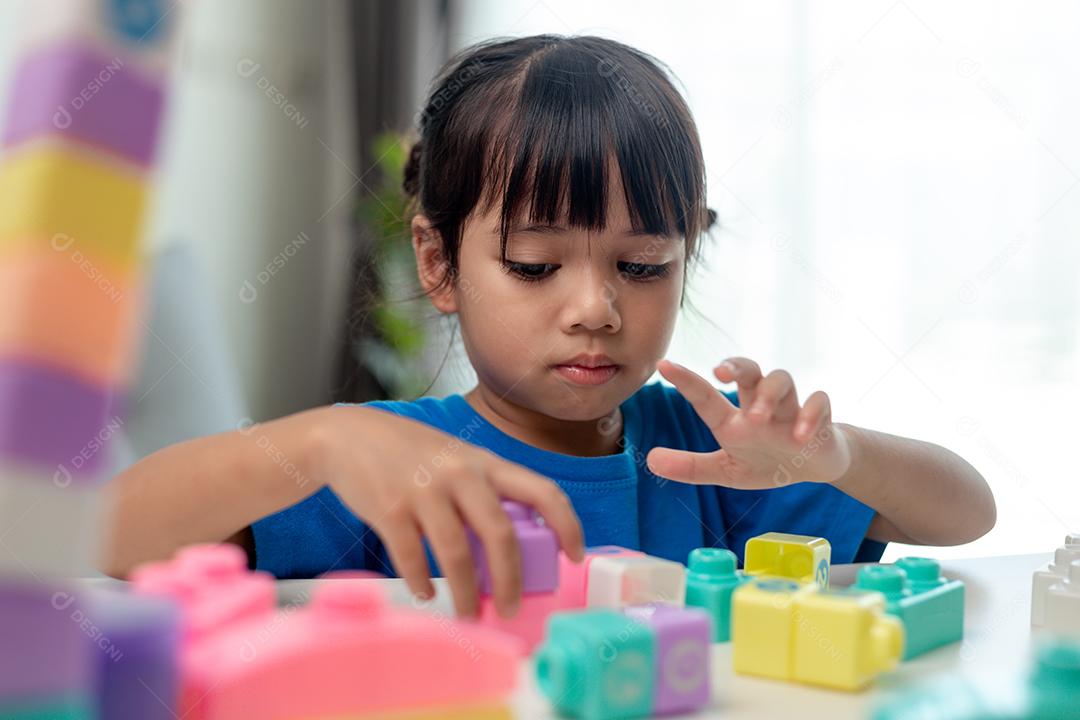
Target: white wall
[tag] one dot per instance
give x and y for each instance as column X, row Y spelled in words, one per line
column 898, row 185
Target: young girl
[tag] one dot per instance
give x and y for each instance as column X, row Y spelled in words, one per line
column 561, row 195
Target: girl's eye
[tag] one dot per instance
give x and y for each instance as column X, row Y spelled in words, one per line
column 530, row 272
column 642, row 271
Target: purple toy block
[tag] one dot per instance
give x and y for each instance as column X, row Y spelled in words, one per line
column 52, row 419
column 539, row 551
column 683, row 642
column 137, row 657
column 44, row 650
column 75, row 91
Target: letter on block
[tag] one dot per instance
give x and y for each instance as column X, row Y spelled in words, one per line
column 1053, row 573
column 683, row 646
column 711, row 578
column 616, row 582
column 834, row 638
column 801, row 558
column 598, row 664
column 931, row 607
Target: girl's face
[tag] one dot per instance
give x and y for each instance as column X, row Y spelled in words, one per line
column 565, row 298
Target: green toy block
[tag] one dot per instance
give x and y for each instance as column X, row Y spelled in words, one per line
column 931, row 607
column 711, row 577
column 57, row 709
column 1049, row 691
column 597, row 664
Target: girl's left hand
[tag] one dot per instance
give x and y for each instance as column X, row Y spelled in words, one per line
column 766, row 442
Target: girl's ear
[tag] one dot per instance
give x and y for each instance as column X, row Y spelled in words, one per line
column 431, row 266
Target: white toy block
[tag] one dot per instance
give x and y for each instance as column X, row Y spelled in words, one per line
column 615, row 582
column 48, row 527
column 1043, row 579
column 1063, row 604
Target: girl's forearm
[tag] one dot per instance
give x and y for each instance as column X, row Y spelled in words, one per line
column 206, row 490
column 923, row 493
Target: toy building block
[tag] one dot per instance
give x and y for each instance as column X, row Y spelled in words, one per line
column 1049, row 690
column 96, row 344
column 46, row 663
column 539, row 551
column 931, row 608
column 539, row 575
column 711, row 578
column 574, row 577
column 683, row 647
column 835, row 638
column 801, row 558
column 598, row 664
column 123, row 117
column 50, row 420
column 348, row 652
column 1054, row 572
column 1063, row 604
column 54, row 195
column 527, row 624
column 138, row 658
column 211, row 584
column 616, row 582
column 50, row 522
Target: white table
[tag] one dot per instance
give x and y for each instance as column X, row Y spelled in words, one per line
column 997, row 642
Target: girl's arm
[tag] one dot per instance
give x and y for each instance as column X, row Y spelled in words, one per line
column 924, row 494
column 406, row 480
column 209, row 489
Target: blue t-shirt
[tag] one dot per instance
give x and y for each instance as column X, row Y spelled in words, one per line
column 617, row 498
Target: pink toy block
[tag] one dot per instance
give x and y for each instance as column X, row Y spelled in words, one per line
column 212, row 585
column 527, row 625
column 539, row 551
column 347, row 652
column 574, row 577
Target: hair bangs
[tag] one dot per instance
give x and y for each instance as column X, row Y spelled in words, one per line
column 576, row 120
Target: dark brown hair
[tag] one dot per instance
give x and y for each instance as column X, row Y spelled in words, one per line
column 539, row 121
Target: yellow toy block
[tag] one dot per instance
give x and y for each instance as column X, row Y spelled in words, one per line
column 58, row 196
column 801, row 558
column 835, row 638
column 40, row 291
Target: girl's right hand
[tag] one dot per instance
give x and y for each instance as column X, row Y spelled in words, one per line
column 407, row 480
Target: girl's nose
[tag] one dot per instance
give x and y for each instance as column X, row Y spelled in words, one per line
column 593, row 305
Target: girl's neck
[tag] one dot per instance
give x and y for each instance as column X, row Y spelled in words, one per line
column 587, row 438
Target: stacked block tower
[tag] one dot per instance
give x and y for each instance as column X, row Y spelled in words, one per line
column 79, row 133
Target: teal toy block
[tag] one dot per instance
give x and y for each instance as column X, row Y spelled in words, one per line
column 597, row 664
column 1049, row 690
column 711, row 578
column 931, row 607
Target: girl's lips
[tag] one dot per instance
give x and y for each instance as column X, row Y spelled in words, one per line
column 582, row 375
